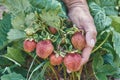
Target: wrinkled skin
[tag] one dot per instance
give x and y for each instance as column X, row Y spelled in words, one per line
column 79, row 14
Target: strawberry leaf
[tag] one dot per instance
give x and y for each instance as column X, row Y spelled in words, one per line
column 108, row 6
column 52, row 5
column 116, row 40
column 102, row 70
column 51, row 11
column 15, row 55
column 116, row 23
column 16, row 6
column 101, row 20
column 5, row 25
column 12, row 76
column 15, row 34
column 51, row 18
column 108, row 58
column 18, row 21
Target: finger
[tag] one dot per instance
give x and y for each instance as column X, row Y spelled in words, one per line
column 75, row 20
column 91, row 33
column 85, row 55
column 90, row 38
column 87, row 23
column 90, row 42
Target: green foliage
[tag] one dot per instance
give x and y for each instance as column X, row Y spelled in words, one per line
column 101, row 20
column 108, row 6
column 4, row 62
column 15, row 34
column 18, row 21
column 5, row 25
column 102, row 70
column 25, row 13
column 108, row 64
column 51, row 18
column 116, row 40
column 15, row 55
column 16, row 6
column 49, row 14
column 12, row 76
column 43, row 66
column 29, row 19
column 116, row 23
column 48, row 5
column 108, row 59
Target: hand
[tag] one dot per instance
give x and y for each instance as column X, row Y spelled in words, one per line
column 80, row 16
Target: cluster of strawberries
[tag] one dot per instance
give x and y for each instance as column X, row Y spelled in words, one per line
column 45, row 49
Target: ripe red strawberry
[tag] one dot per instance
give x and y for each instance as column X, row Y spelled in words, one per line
column 29, row 46
column 54, row 60
column 78, row 41
column 44, row 48
column 53, row 30
column 72, row 62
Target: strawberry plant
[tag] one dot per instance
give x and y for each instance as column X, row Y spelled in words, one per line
column 38, row 42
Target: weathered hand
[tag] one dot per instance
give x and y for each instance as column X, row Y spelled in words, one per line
column 80, row 16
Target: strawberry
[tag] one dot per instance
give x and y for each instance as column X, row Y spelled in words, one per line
column 54, row 60
column 44, row 48
column 78, row 41
column 72, row 62
column 53, row 30
column 29, row 46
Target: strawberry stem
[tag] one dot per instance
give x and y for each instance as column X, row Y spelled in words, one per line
column 101, row 43
column 73, row 76
column 33, row 57
column 64, row 69
column 52, row 68
column 31, row 66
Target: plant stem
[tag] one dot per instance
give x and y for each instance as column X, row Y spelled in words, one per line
column 33, row 57
column 64, row 71
column 54, row 72
column 59, row 68
column 11, row 67
column 79, row 74
column 86, row 72
column 31, row 66
column 101, row 43
column 73, row 76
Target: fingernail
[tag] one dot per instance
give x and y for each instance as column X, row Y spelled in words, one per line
column 92, row 42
